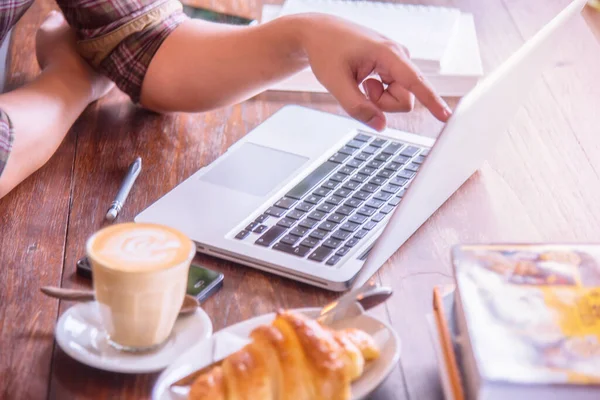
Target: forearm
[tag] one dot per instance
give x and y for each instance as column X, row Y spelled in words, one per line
column 41, row 113
column 202, row 66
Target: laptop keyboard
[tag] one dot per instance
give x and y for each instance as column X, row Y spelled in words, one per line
column 328, row 213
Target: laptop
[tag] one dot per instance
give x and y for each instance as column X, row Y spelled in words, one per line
column 321, row 199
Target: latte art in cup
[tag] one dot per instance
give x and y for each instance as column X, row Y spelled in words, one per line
column 140, row 277
column 140, row 248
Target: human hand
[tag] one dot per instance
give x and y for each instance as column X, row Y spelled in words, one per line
column 56, row 48
column 342, row 55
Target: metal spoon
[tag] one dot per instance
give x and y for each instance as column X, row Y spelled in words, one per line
column 367, row 296
column 190, row 303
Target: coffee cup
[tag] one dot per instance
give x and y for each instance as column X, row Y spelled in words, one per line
column 140, row 277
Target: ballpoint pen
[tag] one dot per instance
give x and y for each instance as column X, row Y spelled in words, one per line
column 132, row 174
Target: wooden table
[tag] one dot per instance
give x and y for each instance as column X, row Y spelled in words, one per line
column 542, row 184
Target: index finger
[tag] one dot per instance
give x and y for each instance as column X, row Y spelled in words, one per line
column 407, row 74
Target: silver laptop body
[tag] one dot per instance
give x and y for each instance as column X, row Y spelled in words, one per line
column 307, row 194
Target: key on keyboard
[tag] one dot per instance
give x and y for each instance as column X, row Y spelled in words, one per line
column 332, row 243
column 374, row 203
column 312, row 199
column 289, row 239
column 354, row 203
column 335, row 200
column 347, row 150
column 385, row 173
column 262, row 218
column 308, row 223
column 344, row 210
column 304, row 207
column 343, row 251
column 295, row 214
column 341, row 235
column 346, row 170
column 286, row 223
column 320, row 254
column 387, row 209
column 362, row 137
column 383, row 157
column 325, row 207
column 316, row 215
column 276, row 211
column 260, row 229
column 362, row 156
column 338, row 177
column 351, row 185
column 300, row 251
column 368, row 170
column 414, row 167
column 355, row 163
column 378, row 142
column 319, row 234
column 298, row 231
column 336, row 218
column 242, row 234
column 333, row 260
column 370, row 150
column 327, row 226
column 352, row 242
column 322, row 192
column 409, row 151
column 286, row 203
column 331, row 184
column 361, row 195
column 357, row 144
column 339, row 158
column 310, row 242
column 359, row 178
column 270, row 236
column 392, row 148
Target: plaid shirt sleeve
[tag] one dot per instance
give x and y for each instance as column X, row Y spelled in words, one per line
column 6, row 139
column 120, row 37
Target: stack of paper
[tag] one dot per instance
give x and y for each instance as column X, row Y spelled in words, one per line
column 442, row 41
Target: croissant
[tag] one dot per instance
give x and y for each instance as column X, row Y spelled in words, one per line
column 294, row 358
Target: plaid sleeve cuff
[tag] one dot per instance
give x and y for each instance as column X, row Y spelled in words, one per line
column 6, row 139
column 124, row 53
column 128, row 63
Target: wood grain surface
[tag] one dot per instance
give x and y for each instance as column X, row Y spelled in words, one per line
column 541, row 184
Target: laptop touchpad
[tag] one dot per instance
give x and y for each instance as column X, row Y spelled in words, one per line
column 254, row 169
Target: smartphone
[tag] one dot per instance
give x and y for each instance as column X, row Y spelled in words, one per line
column 202, row 282
column 215, row 16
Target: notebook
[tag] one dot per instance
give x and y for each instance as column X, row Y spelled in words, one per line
column 458, row 76
column 425, row 31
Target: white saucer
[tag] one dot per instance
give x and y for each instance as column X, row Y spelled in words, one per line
column 79, row 333
column 234, row 337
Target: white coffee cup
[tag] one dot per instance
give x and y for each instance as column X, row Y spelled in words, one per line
column 140, row 276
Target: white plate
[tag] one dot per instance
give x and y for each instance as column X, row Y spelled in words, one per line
column 79, row 333
column 236, row 336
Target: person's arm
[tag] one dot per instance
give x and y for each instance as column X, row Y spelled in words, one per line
column 169, row 62
column 35, row 118
column 203, row 65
